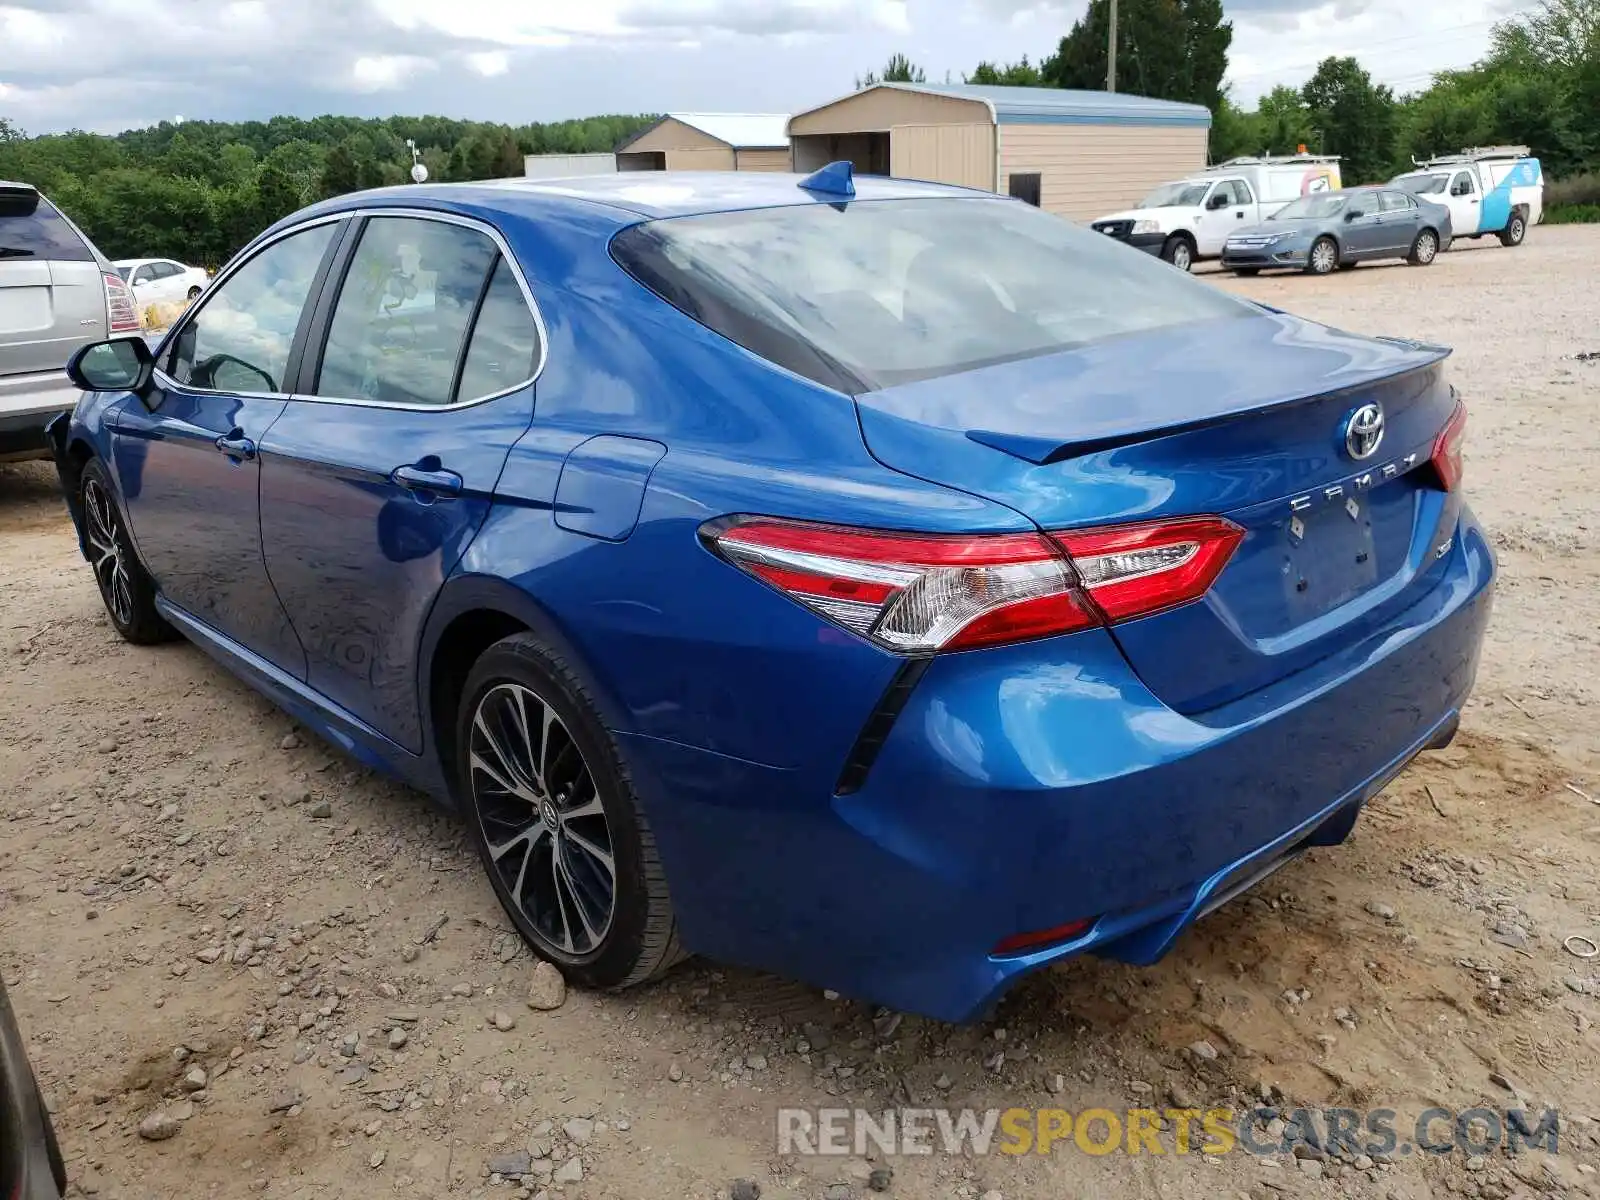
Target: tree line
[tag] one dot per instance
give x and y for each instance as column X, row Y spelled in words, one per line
column 198, row 190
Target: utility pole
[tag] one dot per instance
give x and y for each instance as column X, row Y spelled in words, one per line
column 1111, row 52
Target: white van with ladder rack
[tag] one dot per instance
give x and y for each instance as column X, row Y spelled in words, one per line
column 1490, row 190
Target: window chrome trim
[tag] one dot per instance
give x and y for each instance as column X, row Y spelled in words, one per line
column 209, row 294
column 493, row 235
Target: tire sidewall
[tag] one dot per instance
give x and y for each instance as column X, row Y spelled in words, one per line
column 1170, row 252
column 519, row 660
column 1516, row 231
column 94, row 471
column 1311, row 257
column 1416, row 250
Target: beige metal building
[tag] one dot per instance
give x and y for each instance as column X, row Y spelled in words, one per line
column 709, row 142
column 1079, row 154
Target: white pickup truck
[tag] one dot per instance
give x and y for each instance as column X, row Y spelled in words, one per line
column 1191, row 219
column 1494, row 190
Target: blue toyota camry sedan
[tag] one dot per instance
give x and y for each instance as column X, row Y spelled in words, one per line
column 885, row 584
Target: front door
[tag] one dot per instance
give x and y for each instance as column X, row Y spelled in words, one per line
column 1362, row 233
column 383, row 466
column 1230, row 207
column 1466, row 206
column 189, row 459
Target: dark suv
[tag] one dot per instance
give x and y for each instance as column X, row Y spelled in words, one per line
column 30, row 1160
column 57, row 293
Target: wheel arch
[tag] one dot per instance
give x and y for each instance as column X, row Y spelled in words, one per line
column 472, row 613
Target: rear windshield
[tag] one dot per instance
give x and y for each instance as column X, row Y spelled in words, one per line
column 871, row 294
column 30, row 227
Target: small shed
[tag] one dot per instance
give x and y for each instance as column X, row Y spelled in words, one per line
column 1078, row 154
column 709, row 142
column 559, row 166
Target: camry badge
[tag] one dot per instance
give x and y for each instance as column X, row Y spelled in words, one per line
column 1363, row 432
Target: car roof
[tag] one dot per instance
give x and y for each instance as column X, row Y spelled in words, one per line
column 654, row 193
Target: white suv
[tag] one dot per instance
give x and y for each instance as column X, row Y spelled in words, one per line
column 57, row 293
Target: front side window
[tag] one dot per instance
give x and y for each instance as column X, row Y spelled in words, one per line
column 239, row 340
column 869, row 295
column 401, row 320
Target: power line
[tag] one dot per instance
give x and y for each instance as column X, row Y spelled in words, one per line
column 1434, row 37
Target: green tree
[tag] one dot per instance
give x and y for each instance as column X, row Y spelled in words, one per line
column 1168, row 49
column 1017, row 74
column 1352, row 117
column 9, row 131
column 899, row 69
column 340, row 173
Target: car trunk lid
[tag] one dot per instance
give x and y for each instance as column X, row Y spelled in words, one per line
column 1244, row 418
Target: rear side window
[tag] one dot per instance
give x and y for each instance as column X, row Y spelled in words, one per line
column 32, row 227
column 401, row 320
column 876, row 293
column 1396, row 201
column 505, row 340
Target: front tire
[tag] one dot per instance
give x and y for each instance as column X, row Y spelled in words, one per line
column 557, row 823
column 1516, row 229
column 194, row 294
column 1323, row 258
column 1425, row 249
column 126, row 588
column 1179, row 251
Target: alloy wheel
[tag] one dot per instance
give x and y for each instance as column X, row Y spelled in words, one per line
column 543, row 820
column 105, row 548
column 1181, row 257
column 1427, row 247
column 1323, row 257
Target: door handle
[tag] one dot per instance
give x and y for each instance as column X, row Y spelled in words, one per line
column 1239, row 215
column 416, row 479
column 237, row 447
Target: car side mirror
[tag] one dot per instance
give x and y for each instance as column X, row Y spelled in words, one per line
column 1218, row 200
column 116, row 365
column 1354, row 214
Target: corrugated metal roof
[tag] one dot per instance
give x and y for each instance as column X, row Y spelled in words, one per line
column 1060, row 106
column 742, row 131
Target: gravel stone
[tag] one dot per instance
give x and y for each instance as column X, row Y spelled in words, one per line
column 159, row 1126
column 547, row 988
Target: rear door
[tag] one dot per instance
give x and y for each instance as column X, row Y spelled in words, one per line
column 384, row 464
column 1401, row 220
column 1362, row 232
column 52, row 299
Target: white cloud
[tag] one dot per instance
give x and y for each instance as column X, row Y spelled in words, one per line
column 489, row 63
column 378, row 72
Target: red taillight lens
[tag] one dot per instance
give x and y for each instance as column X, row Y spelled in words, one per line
column 1135, row 570
column 120, row 312
column 916, row 593
column 1447, row 448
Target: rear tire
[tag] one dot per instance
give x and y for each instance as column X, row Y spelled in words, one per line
column 1323, row 258
column 557, row 823
column 1179, row 251
column 1516, row 229
column 1425, row 249
column 194, row 294
column 126, row 588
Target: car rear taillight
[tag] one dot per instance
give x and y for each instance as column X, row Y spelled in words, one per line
column 919, row 593
column 120, row 312
column 1447, row 448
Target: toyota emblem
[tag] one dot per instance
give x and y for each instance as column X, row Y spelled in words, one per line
column 1363, row 433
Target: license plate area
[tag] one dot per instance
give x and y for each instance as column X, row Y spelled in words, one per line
column 1330, row 557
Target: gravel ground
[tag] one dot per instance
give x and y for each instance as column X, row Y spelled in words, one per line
column 249, row 967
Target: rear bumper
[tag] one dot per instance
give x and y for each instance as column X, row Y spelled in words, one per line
column 1024, row 788
column 27, row 404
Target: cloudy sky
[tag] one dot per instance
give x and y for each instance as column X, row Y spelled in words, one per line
column 111, row 64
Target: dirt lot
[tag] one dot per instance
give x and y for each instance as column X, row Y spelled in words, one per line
column 204, row 918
